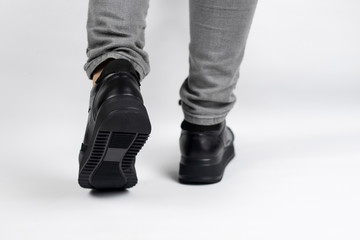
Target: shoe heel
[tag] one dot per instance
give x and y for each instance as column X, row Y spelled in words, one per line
column 123, row 114
column 206, row 171
column 122, row 128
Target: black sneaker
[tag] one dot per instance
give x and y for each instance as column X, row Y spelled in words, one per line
column 118, row 126
column 205, row 152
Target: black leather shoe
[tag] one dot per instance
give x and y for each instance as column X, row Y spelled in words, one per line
column 118, row 126
column 205, row 152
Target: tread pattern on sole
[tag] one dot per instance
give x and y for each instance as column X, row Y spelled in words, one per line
column 127, row 164
column 96, row 155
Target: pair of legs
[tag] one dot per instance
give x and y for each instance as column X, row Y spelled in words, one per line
column 118, row 124
column 218, row 34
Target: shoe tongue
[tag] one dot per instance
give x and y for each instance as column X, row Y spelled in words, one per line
column 118, row 65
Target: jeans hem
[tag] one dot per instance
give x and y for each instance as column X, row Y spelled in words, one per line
column 204, row 120
column 89, row 67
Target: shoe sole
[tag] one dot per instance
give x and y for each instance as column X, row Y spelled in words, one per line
column 121, row 129
column 205, row 173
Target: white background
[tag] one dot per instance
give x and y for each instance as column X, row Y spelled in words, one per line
column 296, row 173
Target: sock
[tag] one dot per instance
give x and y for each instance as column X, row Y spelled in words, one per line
column 185, row 125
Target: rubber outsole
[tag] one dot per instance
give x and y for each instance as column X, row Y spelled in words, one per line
column 119, row 135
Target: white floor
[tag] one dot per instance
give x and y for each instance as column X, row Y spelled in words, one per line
column 296, row 174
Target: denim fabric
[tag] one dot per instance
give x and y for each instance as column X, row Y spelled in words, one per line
column 218, row 34
column 115, row 29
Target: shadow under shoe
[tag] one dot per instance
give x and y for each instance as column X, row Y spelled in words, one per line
column 205, row 153
column 117, row 128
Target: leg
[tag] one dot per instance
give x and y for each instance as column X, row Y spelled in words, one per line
column 218, row 32
column 116, row 30
column 118, row 124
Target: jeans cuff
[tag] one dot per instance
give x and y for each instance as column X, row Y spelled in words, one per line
column 89, row 67
column 204, row 120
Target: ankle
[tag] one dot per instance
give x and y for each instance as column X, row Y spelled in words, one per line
column 98, row 70
column 96, row 75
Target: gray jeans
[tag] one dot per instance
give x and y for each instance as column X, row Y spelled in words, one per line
column 218, row 34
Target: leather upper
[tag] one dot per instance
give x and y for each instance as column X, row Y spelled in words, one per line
column 115, row 84
column 118, row 78
column 205, row 145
